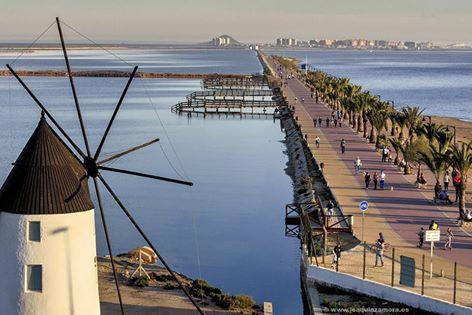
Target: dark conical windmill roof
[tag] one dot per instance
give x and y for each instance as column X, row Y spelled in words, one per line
column 46, row 178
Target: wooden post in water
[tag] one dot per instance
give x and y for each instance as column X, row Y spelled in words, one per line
column 393, row 266
column 422, row 277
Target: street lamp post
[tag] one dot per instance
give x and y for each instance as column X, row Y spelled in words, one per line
column 454, row 134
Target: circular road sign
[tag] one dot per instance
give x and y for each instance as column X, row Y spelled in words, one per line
column 364, row 205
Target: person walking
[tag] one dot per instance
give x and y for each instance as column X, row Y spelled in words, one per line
column 446, row 180
column 457, row 181
column 343, row 145
column 317, row 142
column 385, row 154
column 379, row 253
column 320, row 120
column 357, row 165
column 381, row 238
column 449, row 236
column 327, row 121
column 336, row 254
column 314, row 122
column 329, row 214
column 421, row 233
column 383, row 176
column 367, row 180
column 375, row 180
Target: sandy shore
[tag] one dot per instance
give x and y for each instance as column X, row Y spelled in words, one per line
column 463, row 128
column 151, row 300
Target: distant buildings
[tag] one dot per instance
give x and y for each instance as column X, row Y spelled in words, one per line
column 224, row 40
column 286, row 42
column 357, row 44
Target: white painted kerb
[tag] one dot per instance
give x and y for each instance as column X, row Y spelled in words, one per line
column 67, row 253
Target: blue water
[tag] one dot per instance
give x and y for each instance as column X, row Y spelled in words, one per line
column 240, row 61
column 229, row 227
column 438, row 81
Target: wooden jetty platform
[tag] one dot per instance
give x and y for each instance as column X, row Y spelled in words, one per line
column 220, row 82
column 229, row 93
column 244, row 95
column 223, row 106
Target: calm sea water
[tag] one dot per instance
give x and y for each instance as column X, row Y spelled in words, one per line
column 150, row 60
column 438, row 81
column 229, row 227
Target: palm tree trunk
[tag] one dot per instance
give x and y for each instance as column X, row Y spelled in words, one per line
column 407, row 169
column 462, row 196
column 419, row 171
column 354, row 121
column 364, row 123
column 373, row 135
column 359, row 123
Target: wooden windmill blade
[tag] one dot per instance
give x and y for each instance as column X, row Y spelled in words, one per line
column 92, row 166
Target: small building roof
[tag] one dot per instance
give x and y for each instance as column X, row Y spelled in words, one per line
column 46, row 178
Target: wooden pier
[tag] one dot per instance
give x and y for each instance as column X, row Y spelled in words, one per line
column 221, row 82
column 225, row 95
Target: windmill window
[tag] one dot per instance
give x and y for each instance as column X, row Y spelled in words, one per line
column 34, row 278
column 34, row 231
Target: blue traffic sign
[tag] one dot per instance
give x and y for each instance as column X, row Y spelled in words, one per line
column 364, row 205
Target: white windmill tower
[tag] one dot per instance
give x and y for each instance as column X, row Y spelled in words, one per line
column 47, row 229
column 47, row 232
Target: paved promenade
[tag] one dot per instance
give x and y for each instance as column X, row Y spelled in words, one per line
column 397, row 213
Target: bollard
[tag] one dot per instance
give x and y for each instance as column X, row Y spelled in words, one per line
column 455, row 283
column 422, row 277
column 393, row 266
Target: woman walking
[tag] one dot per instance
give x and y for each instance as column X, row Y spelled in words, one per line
column 383, row 176
column 375, row 180
column 456, row 180
column 379, row 253
column 446, row 180
column 450, row 236
column 357, row 165
column 367, row 180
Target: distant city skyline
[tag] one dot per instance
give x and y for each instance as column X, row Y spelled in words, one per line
column 246, row 20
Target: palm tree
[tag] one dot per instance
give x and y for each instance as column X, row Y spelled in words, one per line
column 430, row 131
column 378, row 120
column 363, row 102
column 413, row 118
column 436, row 160
column 401, row 122
column 396, row 144
column 460, row 158
column 410, row 155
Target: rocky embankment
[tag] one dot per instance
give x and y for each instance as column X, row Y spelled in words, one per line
column 298, row 165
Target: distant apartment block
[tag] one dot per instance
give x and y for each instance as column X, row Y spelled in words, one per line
column 224, row 40
column 286, row 42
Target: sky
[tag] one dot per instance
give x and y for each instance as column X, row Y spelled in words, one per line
column 441, row 21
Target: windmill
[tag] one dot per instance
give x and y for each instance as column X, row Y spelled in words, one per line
column 93, row 164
